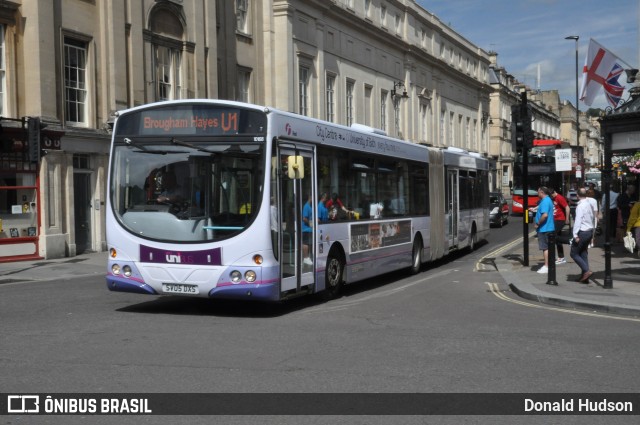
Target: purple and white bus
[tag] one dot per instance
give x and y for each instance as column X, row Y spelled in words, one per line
column 221, row 199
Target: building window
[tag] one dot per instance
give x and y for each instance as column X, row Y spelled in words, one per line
column 349, row 102
column 505, row 175
column 474, row 134
column 442, row 128
column 383, row 110
column 167, row 66
column 166, row 62
column 330, row 98
column 452, row 132
column 383, row 15
column 367, row 104
column 423, row 122
column 244, row 85
column 367, row 8
column 467, row 133
column 242, row 15
column 303, row 88
column 3, row 84
column 75, row 80
column 81, row 161
column 398, row 23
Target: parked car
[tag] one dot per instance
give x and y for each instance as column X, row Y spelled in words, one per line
column 517, row 200
column 498, row 209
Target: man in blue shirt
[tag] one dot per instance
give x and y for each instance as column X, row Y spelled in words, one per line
column 307, row 231
column 323, row 212
column 544, row 225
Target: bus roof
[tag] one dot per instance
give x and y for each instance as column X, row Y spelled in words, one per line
column 368, row 140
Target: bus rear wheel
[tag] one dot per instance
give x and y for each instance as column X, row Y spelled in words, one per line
column 416, row 257
column 333, row 276
column 473, row 242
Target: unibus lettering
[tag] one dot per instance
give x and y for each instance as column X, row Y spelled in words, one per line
column 173, row 258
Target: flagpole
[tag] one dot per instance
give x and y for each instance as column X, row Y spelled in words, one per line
column 576, row 38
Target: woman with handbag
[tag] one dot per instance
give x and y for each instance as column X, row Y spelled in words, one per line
column 633, row 224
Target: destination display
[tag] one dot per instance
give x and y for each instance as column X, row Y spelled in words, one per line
column 191, row 120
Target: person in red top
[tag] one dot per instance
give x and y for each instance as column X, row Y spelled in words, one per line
column 561, row 216
column 336, row 207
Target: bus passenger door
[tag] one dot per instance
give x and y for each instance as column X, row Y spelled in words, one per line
column 297, row 240
column 452, row 207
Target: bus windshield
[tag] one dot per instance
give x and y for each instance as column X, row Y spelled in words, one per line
column 182, row 190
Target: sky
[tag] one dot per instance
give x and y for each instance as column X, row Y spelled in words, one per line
column 530, row 34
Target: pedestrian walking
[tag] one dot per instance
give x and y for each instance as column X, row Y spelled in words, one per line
column 544, row 225
column 625, row 202
column 582, row 234
column 561, row 217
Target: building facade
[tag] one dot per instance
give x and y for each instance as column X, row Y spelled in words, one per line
column 69, row 65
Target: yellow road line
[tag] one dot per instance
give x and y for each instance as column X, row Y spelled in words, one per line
column 495, row 289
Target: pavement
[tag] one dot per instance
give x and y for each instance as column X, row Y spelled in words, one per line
column 622, row 299
column 89, row 264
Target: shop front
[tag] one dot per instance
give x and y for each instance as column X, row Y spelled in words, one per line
column 20, row 195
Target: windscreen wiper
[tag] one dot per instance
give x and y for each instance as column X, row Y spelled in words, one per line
column 177, row 142
column 142, row 148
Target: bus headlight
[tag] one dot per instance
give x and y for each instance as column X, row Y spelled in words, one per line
column 126, row 270
column 250, row 276
column 115, row 269
column 113, row 253
column 235, row 276
column 257, row 259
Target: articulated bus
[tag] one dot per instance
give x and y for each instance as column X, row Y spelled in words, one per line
column 221, row 199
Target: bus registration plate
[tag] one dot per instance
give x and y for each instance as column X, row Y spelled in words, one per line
column 180, row 288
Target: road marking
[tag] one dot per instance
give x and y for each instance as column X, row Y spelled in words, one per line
column 495, row 289
column 496, row 252
column 342, row 304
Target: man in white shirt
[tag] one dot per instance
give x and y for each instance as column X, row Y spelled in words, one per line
column 582, row 235
column 594, row 206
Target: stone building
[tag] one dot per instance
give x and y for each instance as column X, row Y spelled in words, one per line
column 507, row 93
column 69, row 65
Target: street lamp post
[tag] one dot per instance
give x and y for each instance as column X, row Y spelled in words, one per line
column 395, row 97
column 576, row 38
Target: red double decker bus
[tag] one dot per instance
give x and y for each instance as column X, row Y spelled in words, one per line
column 541, row 172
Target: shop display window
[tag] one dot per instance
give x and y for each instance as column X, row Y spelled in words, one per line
column 18, row 204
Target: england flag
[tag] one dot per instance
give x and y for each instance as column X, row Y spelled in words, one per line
column 601, row 69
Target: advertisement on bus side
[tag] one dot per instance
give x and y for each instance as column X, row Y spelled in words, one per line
column 376, row 235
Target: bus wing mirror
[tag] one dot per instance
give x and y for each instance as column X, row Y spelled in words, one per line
column 295, row 167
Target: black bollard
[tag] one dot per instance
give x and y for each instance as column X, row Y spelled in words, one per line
column 551, row 274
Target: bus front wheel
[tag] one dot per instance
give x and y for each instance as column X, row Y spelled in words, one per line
column 333, row 276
